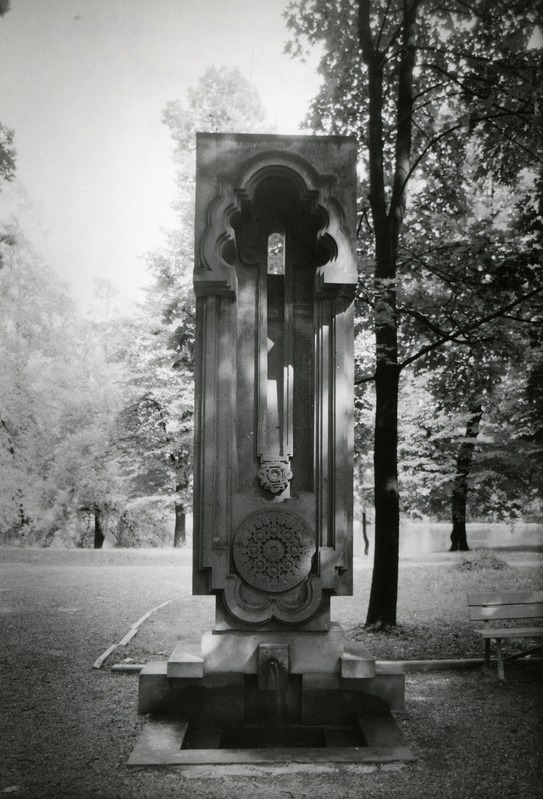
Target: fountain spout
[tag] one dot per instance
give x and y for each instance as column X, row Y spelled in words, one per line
column 273, row 667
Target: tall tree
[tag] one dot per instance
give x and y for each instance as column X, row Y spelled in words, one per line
column 7, row 150
column 485, row 290
column 58, row 401
column 415, row 81
column 156, row 424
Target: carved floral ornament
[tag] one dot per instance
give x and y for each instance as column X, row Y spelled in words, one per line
column 273, row 550
column 275, row 474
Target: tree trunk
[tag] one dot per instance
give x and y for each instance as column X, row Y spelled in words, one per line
column 21, row 518
column 179, row 536
column 99, row 533
column 387, row 226
column 365, row 533
column 384, row 586
column 464, row 460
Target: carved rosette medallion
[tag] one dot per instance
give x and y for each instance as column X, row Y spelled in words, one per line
column 274, row 475
column 273, row 550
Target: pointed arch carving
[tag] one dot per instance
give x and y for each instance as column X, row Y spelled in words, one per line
column 214, row 274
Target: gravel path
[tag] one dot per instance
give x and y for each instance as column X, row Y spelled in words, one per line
column 67, row 729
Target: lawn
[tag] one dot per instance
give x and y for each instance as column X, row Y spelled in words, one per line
column 68, row 729
column 433, row 618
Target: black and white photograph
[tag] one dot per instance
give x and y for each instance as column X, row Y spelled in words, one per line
column 271, row 399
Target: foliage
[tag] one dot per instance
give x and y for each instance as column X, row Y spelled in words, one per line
column 156, row 425
column 222, row 101
column 483, row 561
column 96, row 417
column 7, row 150
column 57, row 401
column 7, row 153
column 153, row 434
column 427, row 90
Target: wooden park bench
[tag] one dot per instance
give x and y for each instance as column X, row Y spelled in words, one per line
column 507, row 606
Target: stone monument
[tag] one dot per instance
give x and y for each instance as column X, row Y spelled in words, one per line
column 275, row 277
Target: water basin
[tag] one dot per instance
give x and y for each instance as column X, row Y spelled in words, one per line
column 252, row 736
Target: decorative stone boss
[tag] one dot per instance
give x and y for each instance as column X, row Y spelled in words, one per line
column 274, row 278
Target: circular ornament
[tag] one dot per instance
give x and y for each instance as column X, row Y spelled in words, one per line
column 273, row 550
column 275, row 475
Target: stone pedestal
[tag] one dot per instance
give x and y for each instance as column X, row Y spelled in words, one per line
column 330, row 679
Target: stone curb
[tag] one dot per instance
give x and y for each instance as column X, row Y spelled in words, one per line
column 409, row 666
column 98, row 663
column 406, row 666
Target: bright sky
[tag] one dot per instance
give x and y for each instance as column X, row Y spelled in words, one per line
column 83, row 84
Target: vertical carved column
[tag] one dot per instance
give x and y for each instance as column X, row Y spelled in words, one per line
column 215, row 458
column 334, row 439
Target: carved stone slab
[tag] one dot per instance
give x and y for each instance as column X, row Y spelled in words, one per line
column 273, row 550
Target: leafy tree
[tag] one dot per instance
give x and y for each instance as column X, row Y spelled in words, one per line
column 25, row 339
column 7, row 151
column 153, row 430
column 156, row 425
column 58, row 400
column 222, row 101
column 487, row 292
column 96, row 417
column 416, row 83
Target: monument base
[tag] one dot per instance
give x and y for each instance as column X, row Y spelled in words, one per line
column 256, row 690
column 372, row 740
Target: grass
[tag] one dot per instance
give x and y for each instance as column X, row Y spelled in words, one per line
column 433, row 618
column 473, row 735
column 68, row 729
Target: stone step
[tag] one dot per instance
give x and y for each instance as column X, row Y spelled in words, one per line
column 309, row 652
column 357, row 662
column 184, row 663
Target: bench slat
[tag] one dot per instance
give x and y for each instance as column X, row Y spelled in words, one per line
column 507, row 598
column 507, row 605
column 506, row 612
column 511, row 632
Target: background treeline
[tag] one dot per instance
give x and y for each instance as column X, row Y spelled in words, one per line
column 96, row 412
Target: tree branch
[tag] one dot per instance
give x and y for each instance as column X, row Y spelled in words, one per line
column 366, row 298
column 360, row 380
column 507, row 66
column 364, row 218
column 375, row 127
column 404, row 116
column 521, row 320
column 471, row 326
column 535, row 156
column 383, row 22
column 364, row 30
column 432, row 142
column 423, row 320
column 420, row 256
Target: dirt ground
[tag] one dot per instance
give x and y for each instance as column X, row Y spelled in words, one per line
column 67, row 729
